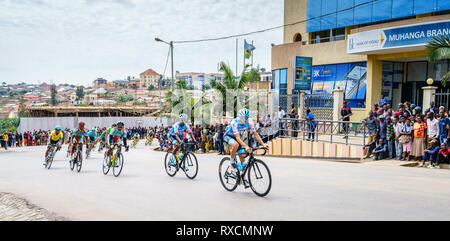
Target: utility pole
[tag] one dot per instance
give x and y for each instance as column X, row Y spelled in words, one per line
column 171, row 61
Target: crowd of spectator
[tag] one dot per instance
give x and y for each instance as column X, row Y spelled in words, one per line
column 408, row 133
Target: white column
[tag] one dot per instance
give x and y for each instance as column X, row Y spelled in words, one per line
column 338, row 96
column 301, row 106
column 428, row 96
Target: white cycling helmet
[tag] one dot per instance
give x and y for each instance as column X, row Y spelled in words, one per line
column 244, row 114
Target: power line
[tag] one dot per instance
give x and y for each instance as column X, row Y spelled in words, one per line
column 273, row 28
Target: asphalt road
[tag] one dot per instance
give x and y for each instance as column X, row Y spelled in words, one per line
column 302, row 190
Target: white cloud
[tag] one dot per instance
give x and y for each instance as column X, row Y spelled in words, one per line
column 80, row 40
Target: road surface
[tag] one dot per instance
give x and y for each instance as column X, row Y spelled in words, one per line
column 302, row 190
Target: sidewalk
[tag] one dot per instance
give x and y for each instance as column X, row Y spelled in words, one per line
column 13, row 208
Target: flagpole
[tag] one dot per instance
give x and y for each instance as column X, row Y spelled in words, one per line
column 236, row 55
column 244, row 55
column 252, row 54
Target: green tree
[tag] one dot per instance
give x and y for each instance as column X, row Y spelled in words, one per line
column 234, row 84
column 123, row 98
column 439, row 49
column 8, row 125
column 151, row 87
column 79, row 93
column 182, row 101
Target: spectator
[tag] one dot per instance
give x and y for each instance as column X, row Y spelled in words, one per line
column 380, row 152
column 390, row 137
column 433, row 128
column 398, row 126
column 406, row 139
column 346, row 112
column 444, row 126
column 430, row 154
column 443, row 155
column 5, row 140
column 418, row 145
column 311, row 123
column 368, row 149
column 372, row 126
column 433, row 108
column 281, row 115
column 220, row 140
column 382, row 102
column 383, row 127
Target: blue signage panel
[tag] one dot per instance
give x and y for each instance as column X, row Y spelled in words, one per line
column 415, row 35
column 302, row 73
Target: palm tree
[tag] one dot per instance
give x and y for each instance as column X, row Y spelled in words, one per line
column 231, row 84
column 183, row 101
column 439, row 49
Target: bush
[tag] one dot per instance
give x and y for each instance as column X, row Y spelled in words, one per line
column 9, row 125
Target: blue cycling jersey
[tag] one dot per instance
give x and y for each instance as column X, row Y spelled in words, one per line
column 178, row 129
column 236, row 127
column 92, row 134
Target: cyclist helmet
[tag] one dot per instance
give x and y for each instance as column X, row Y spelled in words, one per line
column 81, row 124
column 58, row 128
column 120, row 124
column 183, row 117
column 244, row 114
column 93, row 129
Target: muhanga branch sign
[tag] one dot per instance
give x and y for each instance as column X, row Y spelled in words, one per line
column 398, row 37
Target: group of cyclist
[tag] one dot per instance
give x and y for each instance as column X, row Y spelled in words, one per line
column 117, row 135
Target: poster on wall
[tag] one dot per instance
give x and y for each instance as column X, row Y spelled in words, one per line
column 351, row 77
column 302, row 73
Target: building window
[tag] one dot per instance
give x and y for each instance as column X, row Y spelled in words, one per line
column 297, row 37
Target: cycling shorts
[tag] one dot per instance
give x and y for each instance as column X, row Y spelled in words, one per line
column 229, row 140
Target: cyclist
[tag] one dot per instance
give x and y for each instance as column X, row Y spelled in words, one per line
column 56, row 138
column 92, row 138
column 79, row 136
column 115, row 137
column 233, row 134
column 176, row 135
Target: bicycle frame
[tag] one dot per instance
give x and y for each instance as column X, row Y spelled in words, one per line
column 115, row 155
column 251, row 161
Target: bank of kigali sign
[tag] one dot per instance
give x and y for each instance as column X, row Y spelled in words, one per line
column 390, row 38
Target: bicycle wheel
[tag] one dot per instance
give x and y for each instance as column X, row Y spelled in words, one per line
column 170, row 169
column 229, row 177
column 79, row 162
column 118, row 165
column 72, row 163
column 106, row 165
column 190, row 162
column 50, row 159
column 259, row 178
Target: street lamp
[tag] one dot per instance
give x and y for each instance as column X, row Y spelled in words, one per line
column 171, row 56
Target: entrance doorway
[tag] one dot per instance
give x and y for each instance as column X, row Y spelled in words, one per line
column 403, row 79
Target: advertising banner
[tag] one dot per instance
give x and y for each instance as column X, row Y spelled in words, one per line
column 351, row 76
column 399, row 37
column 302, row 73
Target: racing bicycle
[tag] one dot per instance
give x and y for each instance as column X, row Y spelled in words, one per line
column 188, row 162
column 115, row 160
column 258, row 174
column 77, row 158
column 50, row 156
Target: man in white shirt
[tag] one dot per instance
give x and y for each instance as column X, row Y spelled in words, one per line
column 432, row 128
column 281, row 112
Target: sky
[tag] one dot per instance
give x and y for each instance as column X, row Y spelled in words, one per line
column 78, row 41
